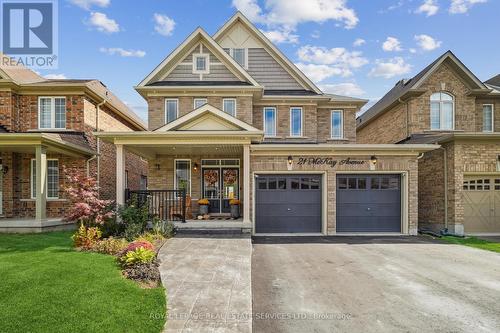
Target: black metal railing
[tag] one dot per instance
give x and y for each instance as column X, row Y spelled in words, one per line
column 167, row 205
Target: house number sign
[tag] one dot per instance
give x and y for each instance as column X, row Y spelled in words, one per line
column 319, row 161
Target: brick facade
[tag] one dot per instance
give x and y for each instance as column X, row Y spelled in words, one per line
column 397, row 164
column 19, row 113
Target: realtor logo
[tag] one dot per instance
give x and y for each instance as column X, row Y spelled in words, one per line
column 29, row 32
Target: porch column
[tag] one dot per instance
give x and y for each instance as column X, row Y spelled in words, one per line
column 246, row 183
column 120, row 175
column 41, row 183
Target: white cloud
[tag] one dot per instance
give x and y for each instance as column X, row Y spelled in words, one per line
column 164, row 24
column 346, row 89
column 318, row 73
column 290, row 13
column 102, row 23
column 337, row 56
column 316, row 34
column 281, row 36
column 428, row 7
column 390, row 68
column 463, row 6
column 358, row 42
column 86, row 4
column 55, row 76
column 427, row 43
column 392, row 44
column 122, row 52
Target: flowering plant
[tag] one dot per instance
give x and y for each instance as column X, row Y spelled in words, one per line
column 234, row 202
column 203, row 202
column 83, row 192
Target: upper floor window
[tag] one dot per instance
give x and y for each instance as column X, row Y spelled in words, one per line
column 51, row 112
column 337, row 124
column 295, row 121
column 239, row 55
column 269, row 121
column 171, row 110
column 199, row 102
column 229, row 106
column 442, row 111
column 488, row 118
column 201, row 63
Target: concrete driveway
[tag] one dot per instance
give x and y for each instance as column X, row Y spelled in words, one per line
column 345, row 284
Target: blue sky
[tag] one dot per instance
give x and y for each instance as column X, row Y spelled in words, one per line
column 354, row 47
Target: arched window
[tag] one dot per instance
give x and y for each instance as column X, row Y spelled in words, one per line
column 442, row 111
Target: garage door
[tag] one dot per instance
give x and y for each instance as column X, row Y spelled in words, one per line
column 288, row 204
column 481, row 204
column 368, row 203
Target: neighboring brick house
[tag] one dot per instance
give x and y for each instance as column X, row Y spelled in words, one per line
column 231, row 117
column 446, row 104
column 51, row 123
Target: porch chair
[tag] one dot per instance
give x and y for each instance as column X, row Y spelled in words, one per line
column 176, row 210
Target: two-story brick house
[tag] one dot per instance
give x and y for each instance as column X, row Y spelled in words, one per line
column 47, row 125
column 446, row 104
column 231, row 117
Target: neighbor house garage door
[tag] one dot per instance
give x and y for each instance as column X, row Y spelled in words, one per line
column 288, row 204
column 481, row 197
column 368, row 203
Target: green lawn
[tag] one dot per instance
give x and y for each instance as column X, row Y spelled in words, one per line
column 46, row 286
column 474, row 242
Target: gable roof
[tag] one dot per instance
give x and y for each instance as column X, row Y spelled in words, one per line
column 199, row 35
column 208, row 114
column 411, row 87
column 269, row 46
column 494, row 81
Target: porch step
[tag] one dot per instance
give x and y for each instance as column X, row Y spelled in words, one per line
column 213, row 228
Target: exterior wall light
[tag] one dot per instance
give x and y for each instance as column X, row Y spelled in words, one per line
column 289, row 163
column 157, row 165
column 373, row 162
column 195, row 167
column 498, row 163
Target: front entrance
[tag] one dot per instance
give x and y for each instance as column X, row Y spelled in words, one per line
column 481, row 197
column 220, row 184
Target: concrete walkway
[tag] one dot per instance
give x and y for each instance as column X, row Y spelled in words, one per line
column 208, row 282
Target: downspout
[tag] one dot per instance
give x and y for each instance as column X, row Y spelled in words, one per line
column 445, row 166
column 98, row 107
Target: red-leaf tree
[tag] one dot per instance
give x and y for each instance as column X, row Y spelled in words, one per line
column 86, row 207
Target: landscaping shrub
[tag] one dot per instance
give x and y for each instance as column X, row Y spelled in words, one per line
column 135, row 219
column 86, row 208
column 112, row 246
column 164, row 228
column 138, row 256
column 137, row 244
column 143, row 272
column 86, row 237
column 151, row 237
column 112, row 228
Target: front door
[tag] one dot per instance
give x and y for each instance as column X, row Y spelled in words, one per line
column 219, row 186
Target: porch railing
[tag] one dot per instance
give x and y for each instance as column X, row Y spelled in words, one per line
column 167, row 205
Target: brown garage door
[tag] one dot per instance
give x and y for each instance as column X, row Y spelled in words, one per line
column 481, row 198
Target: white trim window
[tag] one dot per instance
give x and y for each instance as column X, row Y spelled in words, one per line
column 269, row 119
column 51, row 112
column 296, row 121
column 229, row 106
column 337, row 124
column 240, row 55
column 201, row 63
column 182, row 175
column 442, row 111
column 52, row 179
column 488, row 118
column 171, row 109
column 197, row 102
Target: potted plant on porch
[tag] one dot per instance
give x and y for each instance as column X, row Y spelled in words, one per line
column 203, row 206
column 235, row 208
